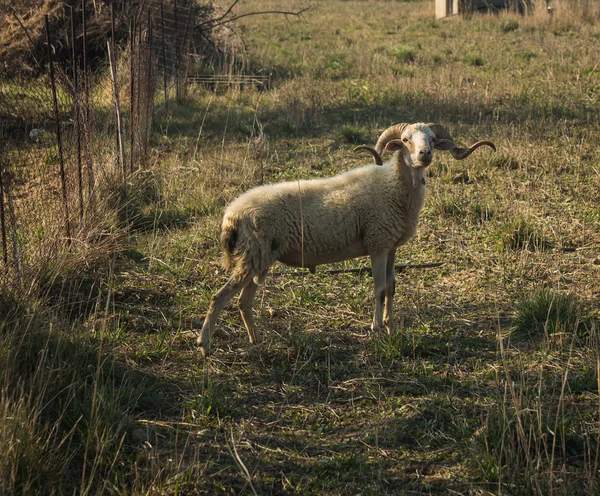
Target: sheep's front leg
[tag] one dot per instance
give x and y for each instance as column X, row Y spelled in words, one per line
column 390, row 290
column 217, row 303
column 378, row 265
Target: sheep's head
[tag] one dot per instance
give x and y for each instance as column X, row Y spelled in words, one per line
column 417, row 142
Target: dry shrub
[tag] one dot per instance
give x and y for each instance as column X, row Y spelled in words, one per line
column 23, row 35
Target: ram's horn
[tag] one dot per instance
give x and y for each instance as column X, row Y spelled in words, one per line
column 460, row 153
column 372, row 151
column 457, row 153
column 393, row 132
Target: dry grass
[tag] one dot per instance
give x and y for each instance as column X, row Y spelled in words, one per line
column 458, row 401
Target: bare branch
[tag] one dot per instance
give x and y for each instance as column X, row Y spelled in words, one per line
column 219, row 18
column 262, row 12
column 220, row 21
column 14, row 13
column 228, row 10
column 211, row 42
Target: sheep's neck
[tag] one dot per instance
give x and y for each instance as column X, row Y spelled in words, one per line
column 412, row 178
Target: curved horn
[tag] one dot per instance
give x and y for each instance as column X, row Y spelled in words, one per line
column 460, row 153
column 373, row 152
column 457, row 153
column 393, row 132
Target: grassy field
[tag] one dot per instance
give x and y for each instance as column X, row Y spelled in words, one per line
column 491, row 387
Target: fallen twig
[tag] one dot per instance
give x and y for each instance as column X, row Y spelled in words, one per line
column 168, row 423
column 361, row 270
column 240, row 464
column 353, row 400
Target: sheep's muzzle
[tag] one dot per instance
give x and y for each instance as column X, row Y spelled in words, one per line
column 424, row 157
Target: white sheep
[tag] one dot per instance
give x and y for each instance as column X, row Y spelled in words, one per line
column 370, row 211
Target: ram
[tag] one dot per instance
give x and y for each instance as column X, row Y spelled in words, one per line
column 370, row 211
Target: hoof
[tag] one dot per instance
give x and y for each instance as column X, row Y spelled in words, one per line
column 391, row 329
column 204, row 348
column 377, row 327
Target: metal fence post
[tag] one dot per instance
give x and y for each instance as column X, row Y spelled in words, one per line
column 175, row 9
column 120, row 139
column 131, row 92
column 149, row 88
column 112, row 23
column 86, row 83
column 76, row 111
column 58, row 135
column 2, row 215
column 183, row 49
column 164, row 51
column 139, row 92
column 113, row 45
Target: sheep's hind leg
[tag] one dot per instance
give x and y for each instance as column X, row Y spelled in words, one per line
column 390, row 290
column 217, row 303
column 245, row 303
column 378, row 266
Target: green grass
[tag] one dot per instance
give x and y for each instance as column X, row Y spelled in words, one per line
column 67, row 406
column 490, row 387
column 474, row 60
column 352, row 134
column 548, row 313
column 524, row 235
column 509, row 25
column 404, row 54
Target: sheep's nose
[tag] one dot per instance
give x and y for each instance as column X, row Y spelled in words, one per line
column 424, row 153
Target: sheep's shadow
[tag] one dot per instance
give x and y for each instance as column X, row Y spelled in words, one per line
column 317, row 391
column 310, row 356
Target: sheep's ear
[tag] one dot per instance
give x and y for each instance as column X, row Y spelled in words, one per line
column 394, row 145
column 444, row 144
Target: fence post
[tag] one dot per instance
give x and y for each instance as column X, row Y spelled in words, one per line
column 58, row 135
column 164, row 51
column 138, row 95
column 115, row 84
column 131, row 91
column 112, row 23
column 175, row 9
column 149, row 88
column 2, row 215
column 10, row 202
column 86, row 84
column 76, row 111
column 183, row 49
column 113, row 45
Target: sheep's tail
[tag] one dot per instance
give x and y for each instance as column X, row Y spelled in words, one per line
column 229, row 236
column 244, row 250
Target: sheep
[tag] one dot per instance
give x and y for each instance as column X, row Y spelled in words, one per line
column 369, row 210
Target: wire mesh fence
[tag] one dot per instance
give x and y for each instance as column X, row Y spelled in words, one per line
column 83, row 125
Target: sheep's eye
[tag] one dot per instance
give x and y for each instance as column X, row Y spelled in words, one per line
column 405, row 140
